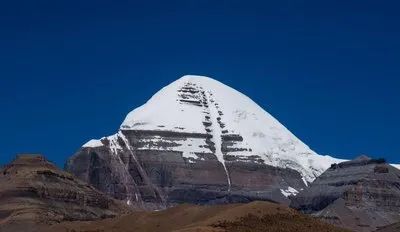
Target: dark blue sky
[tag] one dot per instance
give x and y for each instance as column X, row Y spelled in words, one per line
column 328, row 70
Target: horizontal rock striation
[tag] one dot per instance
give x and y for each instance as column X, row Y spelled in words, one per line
column 158, row 176
column 34, row 190
column 362, row 194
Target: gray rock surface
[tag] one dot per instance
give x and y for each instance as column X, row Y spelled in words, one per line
column 34, row 191
column 362, row 195
column 158, row 178
column 390, row 228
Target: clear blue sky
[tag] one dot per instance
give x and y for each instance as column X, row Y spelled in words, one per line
column 328, row 70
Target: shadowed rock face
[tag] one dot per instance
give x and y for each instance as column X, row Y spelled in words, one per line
column 33, row 190
column 390, row 228
column 362, row 195
column 152, row 178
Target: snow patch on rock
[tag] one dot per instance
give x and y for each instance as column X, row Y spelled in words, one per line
column 289, row 192
column 93, row 143
column 396, row 166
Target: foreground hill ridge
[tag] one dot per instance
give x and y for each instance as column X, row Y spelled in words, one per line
column 251, row 217
column 33, row 190
column 362, row 194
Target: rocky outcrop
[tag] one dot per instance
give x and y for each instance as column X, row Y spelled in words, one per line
column 159, row 178
column 390, row 228
column 33, row 190
column 362, row 195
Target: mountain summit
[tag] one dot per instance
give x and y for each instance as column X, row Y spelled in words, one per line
column 198, row 104
column 196, row 132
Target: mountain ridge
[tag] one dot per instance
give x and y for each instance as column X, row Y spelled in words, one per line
column 34, row 191
column 362, row 195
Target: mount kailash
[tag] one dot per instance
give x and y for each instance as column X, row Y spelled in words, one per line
column 198, row 141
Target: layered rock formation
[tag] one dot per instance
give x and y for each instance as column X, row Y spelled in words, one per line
column 34, row 191
column 362, row 195
column 200, row 141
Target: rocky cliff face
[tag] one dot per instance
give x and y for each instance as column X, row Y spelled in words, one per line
column 33, row 190
column 154, row 179
column 390, row 228
column 362, row 195
column 200, row 141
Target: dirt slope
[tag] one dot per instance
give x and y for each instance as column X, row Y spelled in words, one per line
column 255, row 216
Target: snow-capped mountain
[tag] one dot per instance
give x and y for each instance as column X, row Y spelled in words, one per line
column 198, row 104
column 200, row 123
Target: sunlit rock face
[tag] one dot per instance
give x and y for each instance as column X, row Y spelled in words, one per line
column 34, row 191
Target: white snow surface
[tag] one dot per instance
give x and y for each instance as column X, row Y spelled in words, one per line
column 396, row 166
column 261, row 132
column 93, row 143
column 289, row 192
